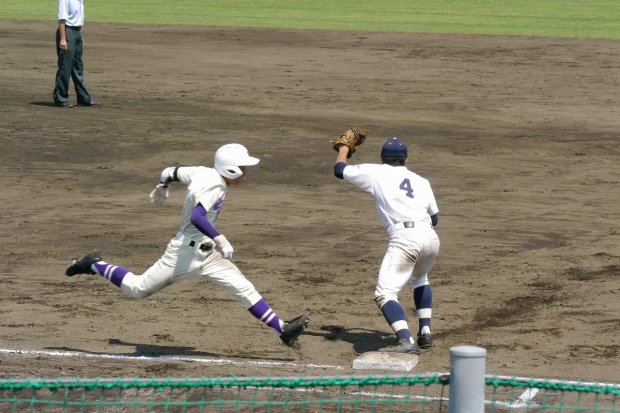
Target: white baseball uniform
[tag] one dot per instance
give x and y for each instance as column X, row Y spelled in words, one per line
column 191, row 253
column 405, row 202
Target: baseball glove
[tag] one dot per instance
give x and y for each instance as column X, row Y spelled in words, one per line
column 351, row 138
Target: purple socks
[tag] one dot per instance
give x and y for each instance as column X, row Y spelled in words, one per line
column 113, row 273
column 264, row 313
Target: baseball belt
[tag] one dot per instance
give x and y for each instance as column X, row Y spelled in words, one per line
column 204, row 247
column 405, row 224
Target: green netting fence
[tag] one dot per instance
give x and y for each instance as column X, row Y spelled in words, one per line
column 383, row 393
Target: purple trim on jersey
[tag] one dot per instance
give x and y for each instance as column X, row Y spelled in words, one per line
column 200, row 221
column 264, row 313
column 339, row 169
column 113, row 273
column 218, row 205
column 435, row 219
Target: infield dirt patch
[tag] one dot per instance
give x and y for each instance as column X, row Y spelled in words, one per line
column 519, row 137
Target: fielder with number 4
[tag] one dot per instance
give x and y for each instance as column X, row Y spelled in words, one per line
column 198, row 249
column 408, row 210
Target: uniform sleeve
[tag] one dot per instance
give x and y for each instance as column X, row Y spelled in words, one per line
column 211, row 198
column 361, row 176
column 63, row 10
column 205, row 186
column 185, row 174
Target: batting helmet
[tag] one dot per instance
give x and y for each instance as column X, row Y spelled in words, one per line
column 230, row 157
column 393, row 150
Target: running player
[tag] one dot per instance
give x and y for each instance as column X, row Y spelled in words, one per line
column 198, row 249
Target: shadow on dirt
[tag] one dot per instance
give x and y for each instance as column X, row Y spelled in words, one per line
column 362, row 340
column 159, row 351
column 50, row 104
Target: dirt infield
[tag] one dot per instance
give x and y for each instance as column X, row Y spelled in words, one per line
column 519, row 137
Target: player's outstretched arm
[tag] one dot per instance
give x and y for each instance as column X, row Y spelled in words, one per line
column 345, row 145
column 343, row 154
column 341, row 161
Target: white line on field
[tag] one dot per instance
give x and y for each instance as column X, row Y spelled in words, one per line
column 79, row 354
column 206, row 360
column 525, row 399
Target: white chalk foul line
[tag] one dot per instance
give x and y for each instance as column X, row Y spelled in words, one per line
column 524, row 400
column 206, row 360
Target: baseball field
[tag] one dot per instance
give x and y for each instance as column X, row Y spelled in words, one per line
column 518, row 133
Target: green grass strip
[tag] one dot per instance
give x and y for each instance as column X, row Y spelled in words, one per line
column 588, row 19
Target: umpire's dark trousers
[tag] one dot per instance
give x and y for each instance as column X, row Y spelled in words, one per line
column 70, row 66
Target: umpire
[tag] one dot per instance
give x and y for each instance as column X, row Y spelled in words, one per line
column 69, row 50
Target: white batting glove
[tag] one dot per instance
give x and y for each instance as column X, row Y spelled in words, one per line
column 159, row 194
column 224, row 246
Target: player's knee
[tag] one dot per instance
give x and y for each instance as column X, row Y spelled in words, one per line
column 249, row 299
column 141, row 294
column 381, row 299
column 419, row 281
column 134, row 288
column 134, row 292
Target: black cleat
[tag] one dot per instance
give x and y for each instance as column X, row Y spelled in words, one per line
column 82, row 266
column 425, row 340
column 294, row 328
column 404, row 346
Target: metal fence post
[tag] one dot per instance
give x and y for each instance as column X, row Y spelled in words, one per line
column 467, row 371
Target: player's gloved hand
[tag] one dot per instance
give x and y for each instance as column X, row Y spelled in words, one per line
column 159, row 194
column 224, row 246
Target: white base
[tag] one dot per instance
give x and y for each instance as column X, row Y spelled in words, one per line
column 376, row 360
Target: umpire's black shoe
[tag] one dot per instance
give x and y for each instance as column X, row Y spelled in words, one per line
column 92, row 103
column 62, row 104
column 82, row 266
column 425, row 340
column 404, row 346
column 293, row 329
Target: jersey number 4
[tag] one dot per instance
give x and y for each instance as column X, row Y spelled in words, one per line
column 405, row 185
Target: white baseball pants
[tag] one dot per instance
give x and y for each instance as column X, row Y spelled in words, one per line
column 410, row 252
column 181, row 262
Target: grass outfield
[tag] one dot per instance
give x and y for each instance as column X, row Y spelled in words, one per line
column 589, row 19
